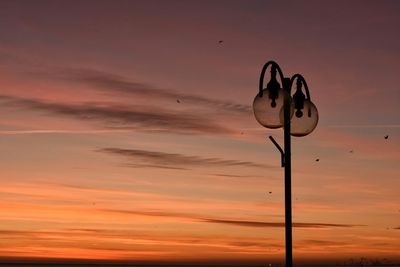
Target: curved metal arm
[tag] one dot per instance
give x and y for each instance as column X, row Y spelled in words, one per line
column 301, row 78
column 303, row 81
column 261, row 84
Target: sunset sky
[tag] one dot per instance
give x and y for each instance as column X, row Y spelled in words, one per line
column 127, row 133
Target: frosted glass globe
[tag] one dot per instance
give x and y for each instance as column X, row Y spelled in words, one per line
column 305, row 120
column 267, row 110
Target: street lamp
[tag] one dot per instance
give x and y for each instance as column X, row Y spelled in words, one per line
column 274, row 107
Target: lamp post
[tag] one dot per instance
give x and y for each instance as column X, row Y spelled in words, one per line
column 273, row 108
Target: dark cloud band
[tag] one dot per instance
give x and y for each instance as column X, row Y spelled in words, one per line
column 122, row 117
column 116, row 84
column 143, row 158
column 244, row 223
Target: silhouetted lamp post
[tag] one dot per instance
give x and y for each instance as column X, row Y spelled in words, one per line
column 274, row 107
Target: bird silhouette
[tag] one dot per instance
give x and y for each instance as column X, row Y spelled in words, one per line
column 177, row 101
column 317, row 160
column 386, row 136
column 270, row 192
column 351, row 151
column 220, row 41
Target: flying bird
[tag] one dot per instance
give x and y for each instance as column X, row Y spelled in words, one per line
column 386, row 136
column 220, row 41
column 178, row 101
column 351, row 151
column 317, row 160
column 270, row 192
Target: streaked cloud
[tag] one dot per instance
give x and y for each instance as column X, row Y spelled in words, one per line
column 366, row 126
column 121, row 117
column 145, row 158
column 278, row 224
column 28, row 132
column 117, row 84
column 232, row 175
column 317, row 242
column 245, row 223
column 122, row 241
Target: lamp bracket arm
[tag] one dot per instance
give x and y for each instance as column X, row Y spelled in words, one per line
column 261, row 84
column 280, row 150
column 303, row 81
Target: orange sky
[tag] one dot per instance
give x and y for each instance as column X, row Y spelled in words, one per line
column 99, row 161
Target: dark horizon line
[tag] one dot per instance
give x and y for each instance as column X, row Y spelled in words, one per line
column 392, row 262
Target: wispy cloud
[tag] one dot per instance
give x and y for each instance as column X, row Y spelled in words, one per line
column 79, row 238
column 153, row 213
column 121, row 117
column 245, row 223
column 385, row 126
column 317, row 242
column 144, row 158
column 28, row 132
column 117, row 84
column 234, row 175
column 277, row 224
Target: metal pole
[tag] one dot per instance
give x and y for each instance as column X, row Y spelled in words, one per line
column 288, row 174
